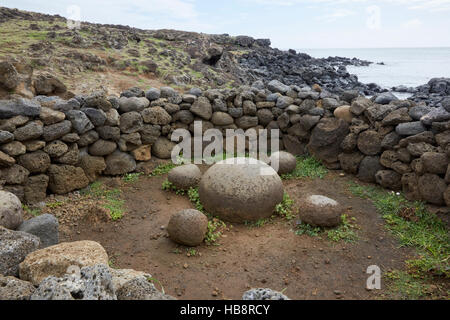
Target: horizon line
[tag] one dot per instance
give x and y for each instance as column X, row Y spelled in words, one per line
column 371, row 48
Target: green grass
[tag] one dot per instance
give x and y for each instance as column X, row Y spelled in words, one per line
column 154, row 281
column 194, row 197
column 162, row 169
column 214, row 231
column 110, row 197
column 306, row 229
column 37, row 35
column 54, row 204
column 168, row 186
column 258, row 224
column 33, row 211
column 405, row 286
column 115, row 207
column 191, row 252
column 424, row 231
column 307, row 167
column 131, row 177
column 345, row 232
column 112, row 263
column 284, row 209
column 196, row 74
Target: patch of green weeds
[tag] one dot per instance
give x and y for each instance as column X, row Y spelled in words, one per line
column 345, row 232
column 306, row 229
column 132, row 177
column 54, row 204
column 414, row 226
column 405, row 286
column 284, row 209
column 214, row 231
column 110, row 199
column 194, row 197
column 156, row 281
column 257, row 224
column 191, row 252
column 307, row 167
column 162, row 169
column 33, row 211
column 169, row 186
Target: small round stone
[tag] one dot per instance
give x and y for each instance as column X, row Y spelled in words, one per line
column 185, row 177
column 286, row 162
column 188, row 227
column 320, row 211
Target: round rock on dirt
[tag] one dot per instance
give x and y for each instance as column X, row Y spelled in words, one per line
column 286, row 162
column 11, row 212
column 320, row 211
column 240, row 190
column 188, row 227
column 185, row 177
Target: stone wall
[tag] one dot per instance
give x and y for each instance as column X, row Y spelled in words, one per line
column 50, row 145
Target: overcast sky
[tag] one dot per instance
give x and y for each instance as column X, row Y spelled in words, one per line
column 288, row 23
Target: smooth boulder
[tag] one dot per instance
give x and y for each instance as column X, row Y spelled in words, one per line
column 320, row 211
column 240, row 190
column 185, row 177
column 188, row 227
column 284, row 161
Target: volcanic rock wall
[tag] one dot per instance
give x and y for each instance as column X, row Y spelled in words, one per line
column 51, row 145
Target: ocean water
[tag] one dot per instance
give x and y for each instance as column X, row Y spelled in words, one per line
column 411, row 67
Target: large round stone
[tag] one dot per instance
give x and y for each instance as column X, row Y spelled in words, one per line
column 320, row 211
column 241, row 189
column 188, row 227
column 11, row 213
column 286, row 162
column 185, row 177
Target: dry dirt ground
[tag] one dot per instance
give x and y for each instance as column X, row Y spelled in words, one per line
column 269, row 256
